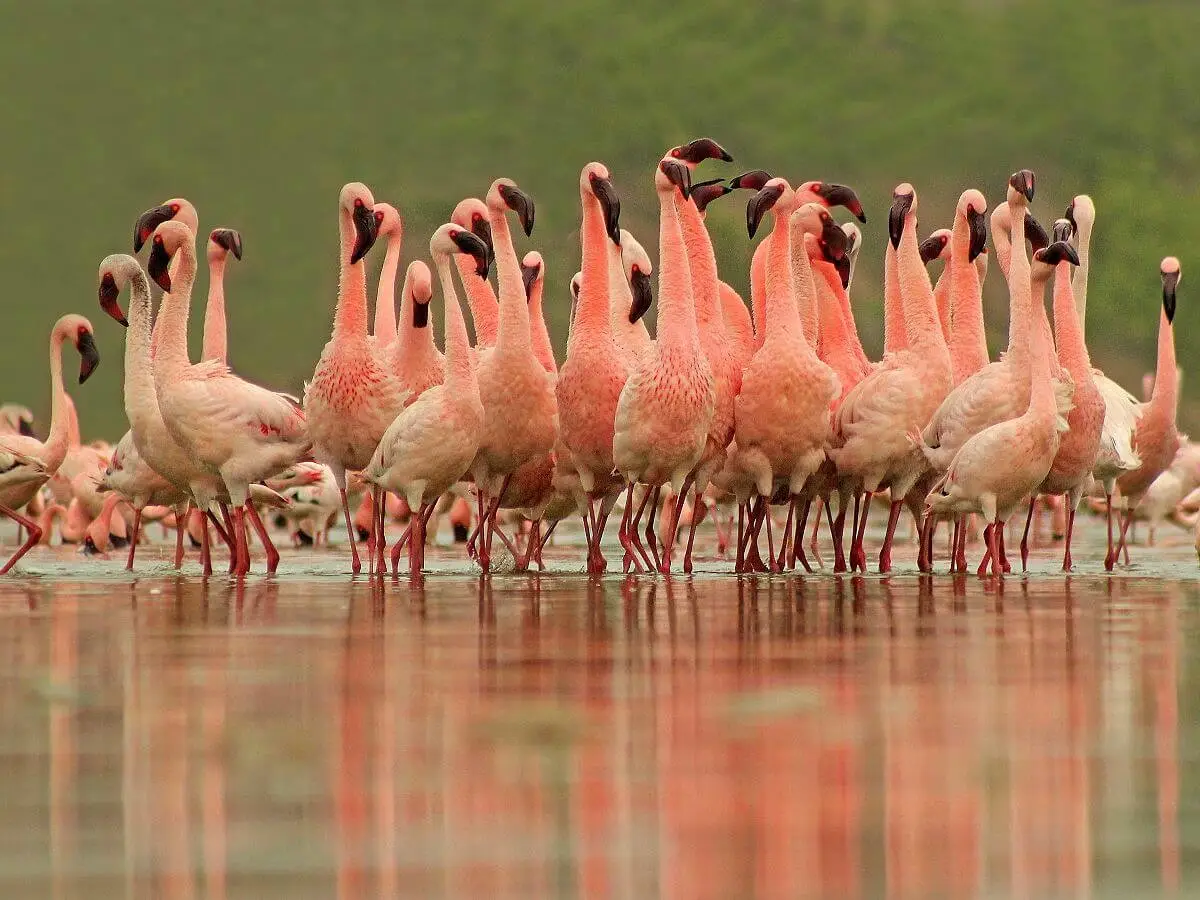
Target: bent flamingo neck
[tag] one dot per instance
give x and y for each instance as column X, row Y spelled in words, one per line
column 215, row 331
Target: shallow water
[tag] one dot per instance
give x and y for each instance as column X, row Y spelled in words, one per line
column 712, row 737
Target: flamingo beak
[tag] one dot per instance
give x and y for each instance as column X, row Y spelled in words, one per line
column 754, row 180
column 706, row 192
column 678, row 174
column 841, row 195
column 420, row 317
column 156, row 266
column 109, row 294
column 833, row 239
column 1062, row 230
column 88, row 354
column 520, row 203
column 26, row 428
column 977, row 226
column 701, row 149
column 1070, row 217
column 843, row 269
column 1035, row 233
column 764, row 200
column 901, row 203
column 932, row 247
column 366, row 230
column 229, row 240
column 643, row 295
column 1170, row 280
column 529, row 277
column 470, row 244
column 610, row 204
column 147, row 222
column 482, row 229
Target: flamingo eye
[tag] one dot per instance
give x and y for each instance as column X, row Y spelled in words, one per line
column 637, row 270
column 358, row 203
column 675, row 153
column 378, row 218
column 453, row 233
column 476, row 216
column 158, row 239
column 174, row 207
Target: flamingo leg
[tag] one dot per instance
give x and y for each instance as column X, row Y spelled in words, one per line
column 181, row 527
column 1004, row 564
column 1125, row 520
column 885, row 552
column 691, row 541
column 837, row 532
column 858, row 554
column 673, row 531
column 623, row 533
column 35, row 535
column 770, row 531
column 261, row 530
column 651, row 537
column 739, row 564
column 1025, row 535
column 634, row 530
column 987, row 556
column 786, row 540
column 813, row 546
column 754, row 561
column 233, row 536
column 133, row 538
column 1067, row 562
column 355, row 562
column 205, row 550
column 243, row 546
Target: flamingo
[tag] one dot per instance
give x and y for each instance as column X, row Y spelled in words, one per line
column 533, row 277
column 472, row 214
column 666, row 406
column 870, row 440
column 629, row 273
column 968, row 239
column 1157, row 438
column 241, row 431
column 221, row 243
column 353, row 395
column 390, row 225
column 520, row 411
column 416, row 360
column 937, row 246
column 739, row 327
column 431, row 444
column 27, row 463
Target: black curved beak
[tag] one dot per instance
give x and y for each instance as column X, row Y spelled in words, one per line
column 228, row 239
column 932, row 247
column 833, row 239
column 529, row 276
column 469, row 243
column 1169, row 282
column 109, row 294
column 843, row 269
column 1070, row 217
column 679, row 175
column 1062, row 230
column 1059, row 251
column 610, row 204
column 766, row 198
column 705, row 192
column 147, row 222
column 841, row 195
column 896, row 215
column 156, row 266
column 26, row 428
column 89, row 355
column 701, row 149
column 977, row 225
column 520, row 203
column 482, row 229
column 366, row 230
column 643, row 295
column 1035, row 233
column 1022, row 182
column 754, row 180
column 420, row 314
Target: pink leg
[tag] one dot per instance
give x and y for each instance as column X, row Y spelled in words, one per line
column 261, row 530
column 960, row 550
column 1125, row 520
column 380, row 524
column 813, row 546
column 35, row 535
column 1025, row 536
column 885, row 552
column 133, row 538
column 858, row 553
column 180, row 528
column 651, row 537
column 777, row 564
column 243, row 550
column 837, row 532
column 1004, row 564
column 355, row 562
column 673, row 531
column 1110, row 557
column 626, row 534
column 687, row 553
column 987, row 556
column 925, row 554
column 798, row 546
column 759, row 511
column 1067, row 562
column 205, row 550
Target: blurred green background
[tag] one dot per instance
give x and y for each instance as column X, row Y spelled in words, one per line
column 259, row 112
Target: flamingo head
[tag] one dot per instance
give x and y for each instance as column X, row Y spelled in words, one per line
column 222, row 242
column 1081, row 213
column 814, row 219
column 388, row 221
column 1170, row 272
column 1034, row 233
column 18, row 419
column 1062, row 230
column 829, row 195
column 418, row 285
column 973, row 206
column 1047, row 258
column 638, row 269
column 472, row 214
column 358, row 203
column 705, row 192
column 116, row 271
column 1021, row 184
column 451, row 238
column 596, row 181
column 672, row 175
column 533, row 270
column 175, row 208
column 853, row 238
column 168, row 238
column 78, row 331
column 934, row 246
column 767, row 198
column 504, row 195
column 904, row 204
column 695, row 152
column 576, row 284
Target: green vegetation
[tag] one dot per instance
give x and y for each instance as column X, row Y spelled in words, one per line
column 259, row 112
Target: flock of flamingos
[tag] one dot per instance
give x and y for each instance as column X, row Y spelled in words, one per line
column 773, row 406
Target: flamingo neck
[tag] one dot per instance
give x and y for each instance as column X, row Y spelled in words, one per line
column 702, row 262
column 171, row 356
column 1015, row 265
column 350, row 319
column 54, row 450
column 836, row 329
column 1079, row 281
column 543, row 348
column 485, row 308
column 783, row 312
column 141, row 401
column 895, row 338
column 802, row 278
column 921, row 328
column 459, row 371
column 385, row 295
column 1041, row 391
column 414, row 348
column 758, row 292
column 941, row 297
column 215, row 330
column 1164, row 400
column 676, row 310
column 966, row 300
column 592, row 313
column 849, row 324
column 513, row 333
column 1072, row 350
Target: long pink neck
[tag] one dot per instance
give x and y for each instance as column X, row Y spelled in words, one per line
column 706, row 285
column 513, row 333
column 1015, row 265
column 485, row 308
column 459, row 371
column 215, row 341
column 941, row 296
column 758, row 292
column 921, row 329
column 1041, row 388
column 592, row 319
column 171, row 357
column 1164, row 401
column 73, row 439
column 894, row 337
column 414, row 349
column 350, row 319
column 806, row 294
column 141, row 401
column 543, row 349
column 54, row 450
column 676, row 310
column 837, row 321
column 782, row 313
column 1072, row 350
column 969, row 347
column 385, row 296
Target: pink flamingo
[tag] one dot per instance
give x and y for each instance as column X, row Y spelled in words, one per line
column 241, row 431
column 27, row 463
column 997, row 468
column 1071, row 472
column 432, row 442
column 472, row 214
column 416, row 360
column 937, row 246
column 221, row 242
column 631, row 293
column 1157, row 438
column 391, row 226
column 666, row 405
column 520, row 411
column 968, row 345
column 354, row 395
column 874, row 421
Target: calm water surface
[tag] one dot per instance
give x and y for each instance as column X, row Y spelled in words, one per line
column 786, row 737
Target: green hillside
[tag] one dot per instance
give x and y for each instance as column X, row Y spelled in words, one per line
column 259, row 112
